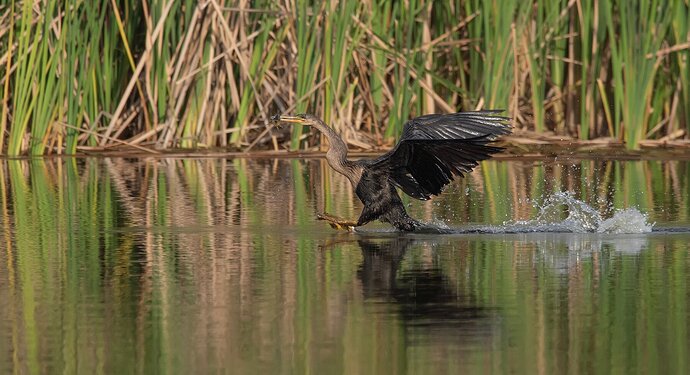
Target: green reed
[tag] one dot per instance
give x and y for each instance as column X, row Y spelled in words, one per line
column 307, row 36
column 592, row 34
column 498, row 37
column 96, row 75
column 261, row 60
column 404, row 38
column 542, row 27
column 641, row 31
column 27, row 53
column 680, row 26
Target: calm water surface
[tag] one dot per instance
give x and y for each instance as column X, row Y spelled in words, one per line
column 219, row 266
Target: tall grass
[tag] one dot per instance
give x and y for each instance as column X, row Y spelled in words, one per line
column 78, row 76
column 642, row 27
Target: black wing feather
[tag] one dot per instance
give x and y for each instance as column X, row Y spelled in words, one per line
column 434, row 148
column 461, row 125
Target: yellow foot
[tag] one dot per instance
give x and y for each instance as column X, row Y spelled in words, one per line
column 337, row 222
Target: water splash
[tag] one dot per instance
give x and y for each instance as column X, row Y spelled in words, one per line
column 562, row 212
column 628, row 220
column 559, row 212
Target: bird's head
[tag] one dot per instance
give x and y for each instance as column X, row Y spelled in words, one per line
column 302, row 119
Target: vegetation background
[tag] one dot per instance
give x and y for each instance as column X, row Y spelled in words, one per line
column 94, row 75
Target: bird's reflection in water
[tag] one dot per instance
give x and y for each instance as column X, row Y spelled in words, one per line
column 424, row 300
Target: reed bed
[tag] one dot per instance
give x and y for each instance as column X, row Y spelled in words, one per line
column 83, row 76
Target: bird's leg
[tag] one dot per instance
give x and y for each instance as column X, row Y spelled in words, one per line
column 337, row 222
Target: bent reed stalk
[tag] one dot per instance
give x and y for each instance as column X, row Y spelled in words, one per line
column 206, row 74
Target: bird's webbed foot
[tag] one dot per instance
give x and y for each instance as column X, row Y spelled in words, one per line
column 337, row 222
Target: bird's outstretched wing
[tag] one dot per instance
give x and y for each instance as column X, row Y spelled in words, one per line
column 434, row 148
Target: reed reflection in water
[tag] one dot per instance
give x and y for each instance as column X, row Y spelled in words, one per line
column 140, row 266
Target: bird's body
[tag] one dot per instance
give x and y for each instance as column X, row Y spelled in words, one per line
column 431, row 150
column 381, row 200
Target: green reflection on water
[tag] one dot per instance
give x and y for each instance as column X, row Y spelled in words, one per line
column 218, row 265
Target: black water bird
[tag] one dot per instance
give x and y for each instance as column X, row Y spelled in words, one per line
column 431, row 151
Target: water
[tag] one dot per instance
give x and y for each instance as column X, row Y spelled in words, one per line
column 203, row 266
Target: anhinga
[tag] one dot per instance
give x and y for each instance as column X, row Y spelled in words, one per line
column 432, row 149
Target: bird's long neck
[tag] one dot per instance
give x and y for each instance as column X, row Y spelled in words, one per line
column 337, row 152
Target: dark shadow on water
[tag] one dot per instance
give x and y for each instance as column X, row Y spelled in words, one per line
column 429, row 308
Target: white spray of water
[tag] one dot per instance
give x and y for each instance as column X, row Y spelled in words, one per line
column 628, row 220
column 562, row 212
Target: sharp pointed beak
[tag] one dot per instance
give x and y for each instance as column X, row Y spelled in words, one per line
column 292, row 119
